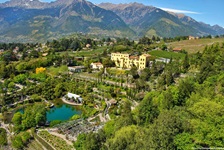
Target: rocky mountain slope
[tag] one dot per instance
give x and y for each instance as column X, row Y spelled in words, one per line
column 148, row 20
column 200, row 26
column 25, row 20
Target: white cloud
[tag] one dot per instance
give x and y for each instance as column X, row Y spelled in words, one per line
column 179, row 11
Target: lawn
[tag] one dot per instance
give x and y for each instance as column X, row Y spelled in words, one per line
column 165, row 54
column 54, row 71
column 193, row 46
column 86, row 74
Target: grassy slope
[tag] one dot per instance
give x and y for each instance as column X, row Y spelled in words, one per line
column 165, row 54
column 193, row 46
column 86, row 53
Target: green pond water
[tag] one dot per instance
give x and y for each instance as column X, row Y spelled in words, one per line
column 60, row 111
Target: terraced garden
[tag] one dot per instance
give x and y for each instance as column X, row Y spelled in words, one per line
column 34, row 145
column 56, row 142
column 75, row 127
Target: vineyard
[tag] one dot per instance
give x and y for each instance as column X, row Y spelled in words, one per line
column 56, row 142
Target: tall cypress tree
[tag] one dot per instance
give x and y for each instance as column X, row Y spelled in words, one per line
column 186, row 64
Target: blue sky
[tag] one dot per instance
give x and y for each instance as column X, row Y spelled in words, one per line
column 207, row 11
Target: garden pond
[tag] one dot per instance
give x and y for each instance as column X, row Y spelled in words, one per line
column 60, row 111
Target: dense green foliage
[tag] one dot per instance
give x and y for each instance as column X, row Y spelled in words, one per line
column 3, row 135
column 20, row 140
column 33, row 116
column 169, row 105
column 185, row 115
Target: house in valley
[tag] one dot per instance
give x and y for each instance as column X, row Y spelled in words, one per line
column 177, row 50
column 76, row 69
column 96, row 65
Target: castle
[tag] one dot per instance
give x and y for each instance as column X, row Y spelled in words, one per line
column 126, row 61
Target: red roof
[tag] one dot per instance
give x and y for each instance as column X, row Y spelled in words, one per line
column 134, row 57
column 98, row 63
column 177, row 49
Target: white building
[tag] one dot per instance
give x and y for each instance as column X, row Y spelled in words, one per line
column 76, row 68
column 164, row 60
column 71, row 95
column 97, row 65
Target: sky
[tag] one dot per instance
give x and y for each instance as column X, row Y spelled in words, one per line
column 207, row 11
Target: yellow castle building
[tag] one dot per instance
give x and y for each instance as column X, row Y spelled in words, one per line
column 127, row 61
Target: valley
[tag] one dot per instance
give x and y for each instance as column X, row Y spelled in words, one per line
column 153, row 83
column 81, row 75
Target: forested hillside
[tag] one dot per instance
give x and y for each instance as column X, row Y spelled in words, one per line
column 185, row 115
column 176, row 102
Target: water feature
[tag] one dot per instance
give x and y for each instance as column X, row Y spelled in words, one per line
column 61, row 112
column 21, row 110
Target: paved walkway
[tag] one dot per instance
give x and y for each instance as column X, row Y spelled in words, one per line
column 6, row 127
column 19, row 102
column 106, row 113
column 102, row 119
column 70, row 103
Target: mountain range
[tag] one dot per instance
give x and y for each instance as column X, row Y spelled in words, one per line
column 149, row 20
column 33, row 20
